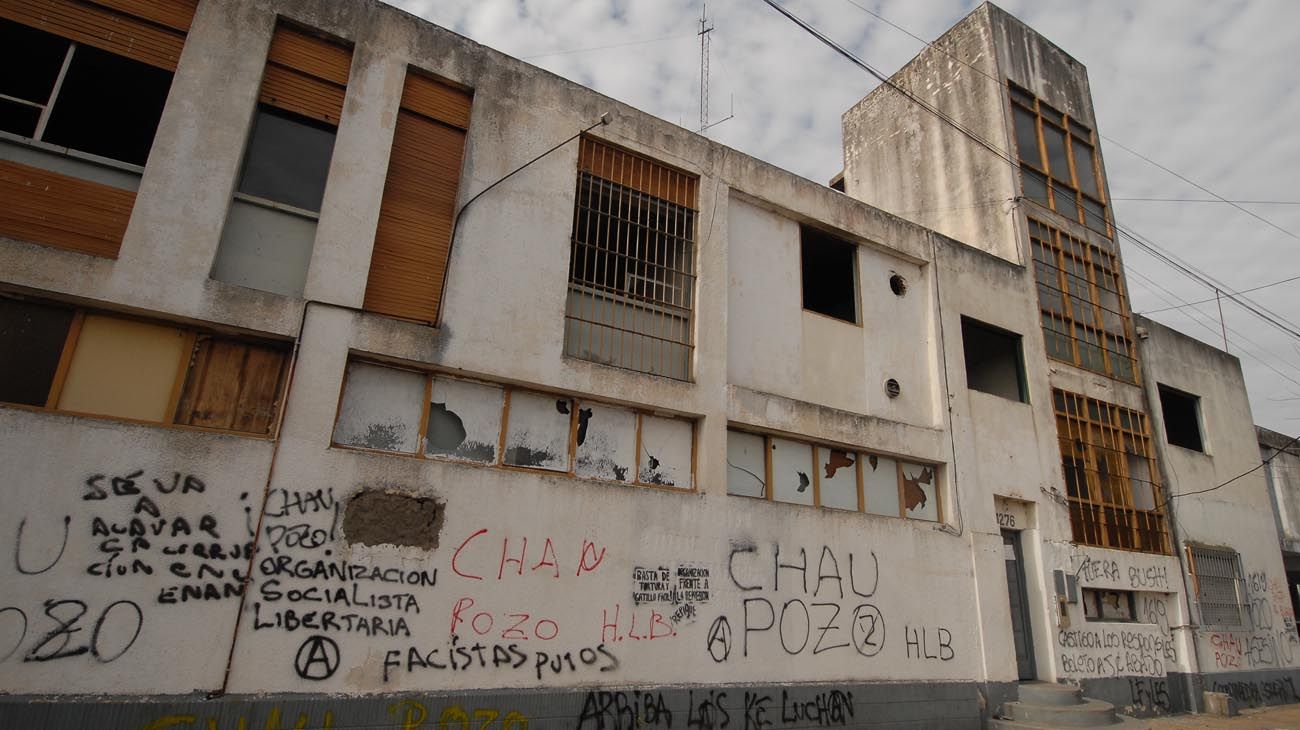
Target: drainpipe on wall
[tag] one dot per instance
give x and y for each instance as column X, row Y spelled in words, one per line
column 1151, row 396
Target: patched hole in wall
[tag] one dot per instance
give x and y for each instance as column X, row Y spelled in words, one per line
column 375, row 517
column 897, row 284
column 892, row 388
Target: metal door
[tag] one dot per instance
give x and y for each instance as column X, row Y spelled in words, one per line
column 1020, row 627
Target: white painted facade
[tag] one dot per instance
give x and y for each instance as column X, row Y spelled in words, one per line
column 532, row 580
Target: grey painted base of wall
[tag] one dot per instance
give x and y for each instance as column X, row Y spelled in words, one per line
column 955, row 705
column 1179, row 692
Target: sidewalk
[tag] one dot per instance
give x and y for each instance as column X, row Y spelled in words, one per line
column 1281, row 717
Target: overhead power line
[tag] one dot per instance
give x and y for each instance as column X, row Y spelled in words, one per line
column 1211, row 299
column 1169, row 259
column 1261, row 465
column 1217, row 198
column 1208, row 200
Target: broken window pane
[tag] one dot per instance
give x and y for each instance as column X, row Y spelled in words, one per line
column 606, row 443
column 829, row 268
column 19, row 118
column 919, row 488
column 746, row 465
column 464, row 420
column 792, row 465
column 538, row 432
column 838, row 478
column 666, row 451
column 288, row 159
column 108, row 106
column 31, row 340
column 880, row 485
column 381, row 408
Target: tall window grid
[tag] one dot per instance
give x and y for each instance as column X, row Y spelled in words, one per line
column 1084, row 308
column 632, row 263
column 1111, row 481
column 1058, row 161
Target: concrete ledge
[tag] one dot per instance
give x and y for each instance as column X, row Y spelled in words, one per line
column 901, row 705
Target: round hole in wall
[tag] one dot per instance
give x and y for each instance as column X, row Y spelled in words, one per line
column 898, row 284
column 892, row 388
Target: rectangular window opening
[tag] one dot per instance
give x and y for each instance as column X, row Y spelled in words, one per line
column 1108, row 605
column 994, row 361
column 90, row 363
column 1182, row 416
column 829, row 268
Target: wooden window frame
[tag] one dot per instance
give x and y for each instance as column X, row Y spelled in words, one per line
column 498, row 461
column 859, row 455
column 1102, row 510
column 1072, row 131
column 1064, row 251
column 192, row 337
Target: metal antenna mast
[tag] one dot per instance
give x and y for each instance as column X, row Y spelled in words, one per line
column 705, row 28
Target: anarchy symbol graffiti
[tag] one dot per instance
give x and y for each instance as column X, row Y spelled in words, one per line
column 318, row 658
column 720, row 639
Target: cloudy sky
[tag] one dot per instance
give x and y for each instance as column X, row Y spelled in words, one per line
column 1207, row 90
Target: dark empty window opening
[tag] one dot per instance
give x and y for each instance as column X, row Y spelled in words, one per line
column 1181, row 412
column 288, row 159
column 829, row 275
column 31, row 343
column 994, row 363
column 78, row 96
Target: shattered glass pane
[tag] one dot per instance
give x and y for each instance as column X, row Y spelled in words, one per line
column 381, row 408
column 606, row 442
column 746, row 467
column 464, row 420
column 665, row 458
column 838, row 478
column 919, row 484
column 538, row 432
column 880, row 485
column 792, row 465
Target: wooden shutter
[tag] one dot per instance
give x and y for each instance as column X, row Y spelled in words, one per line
column 232, row 385
column 413, row 239
column 639, row 173
column 306, row 75
column 62, row 211
column 148, row 31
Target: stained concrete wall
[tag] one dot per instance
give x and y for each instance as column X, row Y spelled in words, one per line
column 1282, row 474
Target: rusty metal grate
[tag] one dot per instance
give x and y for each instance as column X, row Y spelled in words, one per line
column 1220, row 586
column 632, row 263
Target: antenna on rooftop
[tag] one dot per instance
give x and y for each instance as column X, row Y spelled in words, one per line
column 705, row 28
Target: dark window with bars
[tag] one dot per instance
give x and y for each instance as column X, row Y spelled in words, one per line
column 1220, row 588
column 1111, row 481
column 632, row 263
column 1084, row 309
column 1058, row 161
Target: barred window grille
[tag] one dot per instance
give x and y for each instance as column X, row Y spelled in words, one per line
column 632, row 263
column 1220, row 586
column 1110, row 476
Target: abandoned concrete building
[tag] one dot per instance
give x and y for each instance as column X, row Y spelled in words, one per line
column 321, row 412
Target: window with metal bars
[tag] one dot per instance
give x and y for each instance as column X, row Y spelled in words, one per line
column 1111, row 481
column 632, row 263
column 1084, row 308
column 1058, row 161
column 1220, row 587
